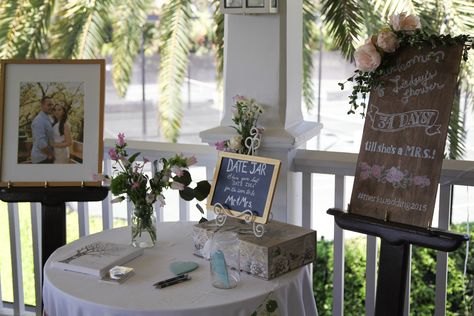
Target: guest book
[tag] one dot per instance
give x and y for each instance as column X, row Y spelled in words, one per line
column 97, row 258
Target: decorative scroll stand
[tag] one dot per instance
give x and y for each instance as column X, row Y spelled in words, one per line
column 53, row 209
column 222, row 213
column 252, row 143
column 394, row 254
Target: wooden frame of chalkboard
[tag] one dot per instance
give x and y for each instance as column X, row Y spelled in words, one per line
column 243, row 182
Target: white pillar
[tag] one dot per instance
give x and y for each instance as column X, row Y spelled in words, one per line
column 263, row 60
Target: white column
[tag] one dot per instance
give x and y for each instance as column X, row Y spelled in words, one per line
column 263, row 60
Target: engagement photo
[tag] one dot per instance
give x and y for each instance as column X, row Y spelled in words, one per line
column 51, row 123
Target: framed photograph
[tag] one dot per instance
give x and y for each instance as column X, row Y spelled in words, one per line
column 51, row 126
column 244, row 183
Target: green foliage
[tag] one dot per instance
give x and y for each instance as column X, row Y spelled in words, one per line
column 423, row 278
column 174, row 49
column 343, row 19
column 309, row 45
column 128, row 21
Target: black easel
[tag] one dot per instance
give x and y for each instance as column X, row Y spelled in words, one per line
column 53, row 209
column 394, row 254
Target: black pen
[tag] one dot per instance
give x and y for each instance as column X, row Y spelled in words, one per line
column 179, row 277
column 160, row 286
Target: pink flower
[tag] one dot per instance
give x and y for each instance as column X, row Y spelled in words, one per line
column 220, row 146
column 422, row 181
column 145, row 160
column 161, row 199
column 364, row 175
column 177, row 186
column 135, row 185
column 238, row 98
column 388, row 41
column 177, row 170
column 394, row 175
column 364, row 166
column 113, row 154
column 367, row 57
column 121, row 139
column 405, row 22
column 191, row 160
column 376, row 171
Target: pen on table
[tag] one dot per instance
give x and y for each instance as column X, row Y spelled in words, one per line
column 179, row 277
column 160, row 286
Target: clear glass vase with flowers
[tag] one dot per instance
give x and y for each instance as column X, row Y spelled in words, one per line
column 129, row 180
column 246, row 114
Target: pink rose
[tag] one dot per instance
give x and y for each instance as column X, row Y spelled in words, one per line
column 367, row 57
column 121, row 139
column 177, row 171
column 421, row 181
column 405, row 22
column 394, row 175
column 113, row 154
column 177, row 186
column 364, row 175
column 376, row 171
column 388, row 41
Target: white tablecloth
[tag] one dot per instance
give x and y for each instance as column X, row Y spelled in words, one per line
column 72, row 294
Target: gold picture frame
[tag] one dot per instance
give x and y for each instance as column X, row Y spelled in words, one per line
column 243, row 182
column 69, row 95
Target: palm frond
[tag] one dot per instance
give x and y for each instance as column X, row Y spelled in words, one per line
column 128, row 22
column 218, row 39
column 456, row 138
column 80, row 28
column 174, row 49
column 389, row 7
column 24, row 28
column 309, row 47
column 344, row 21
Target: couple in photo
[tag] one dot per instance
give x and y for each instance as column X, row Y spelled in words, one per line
column 51, row 133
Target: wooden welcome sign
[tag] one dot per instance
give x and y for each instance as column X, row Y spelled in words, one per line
column 243, row 182
column 404, row 136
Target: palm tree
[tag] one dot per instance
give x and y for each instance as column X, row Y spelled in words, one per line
column 350, row 20
column 81, row 29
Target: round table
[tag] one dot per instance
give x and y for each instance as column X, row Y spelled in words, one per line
column 74, row 294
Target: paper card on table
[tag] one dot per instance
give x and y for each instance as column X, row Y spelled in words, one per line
column 97, row 258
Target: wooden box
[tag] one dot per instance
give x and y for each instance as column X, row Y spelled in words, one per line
column 282, row 248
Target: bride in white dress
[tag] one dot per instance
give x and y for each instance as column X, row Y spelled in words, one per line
column 62, row 134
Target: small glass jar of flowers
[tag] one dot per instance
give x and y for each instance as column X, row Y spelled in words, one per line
column 129, row 180
column 245, row 116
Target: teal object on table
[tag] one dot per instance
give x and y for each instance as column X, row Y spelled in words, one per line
column 182, row 267
column 219, row 267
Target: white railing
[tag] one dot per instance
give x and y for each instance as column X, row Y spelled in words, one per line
column 340, row 165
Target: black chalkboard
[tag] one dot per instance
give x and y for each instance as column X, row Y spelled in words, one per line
column 243, row 183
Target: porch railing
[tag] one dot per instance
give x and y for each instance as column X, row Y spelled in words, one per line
column 307, row 162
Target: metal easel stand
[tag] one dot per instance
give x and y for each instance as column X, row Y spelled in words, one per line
column 222, row 214
column 394, row 253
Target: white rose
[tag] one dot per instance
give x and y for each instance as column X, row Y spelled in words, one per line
column 367, row 57
column 235, row 143
column 388, row 41
column 405, row 22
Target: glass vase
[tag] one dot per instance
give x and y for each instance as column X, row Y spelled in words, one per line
column 143, row 222
column 225, row 260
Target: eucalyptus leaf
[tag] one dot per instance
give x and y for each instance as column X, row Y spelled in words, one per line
column 133, row 157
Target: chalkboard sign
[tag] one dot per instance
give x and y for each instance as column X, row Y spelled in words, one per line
column 243, row 182
column 404, row 136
